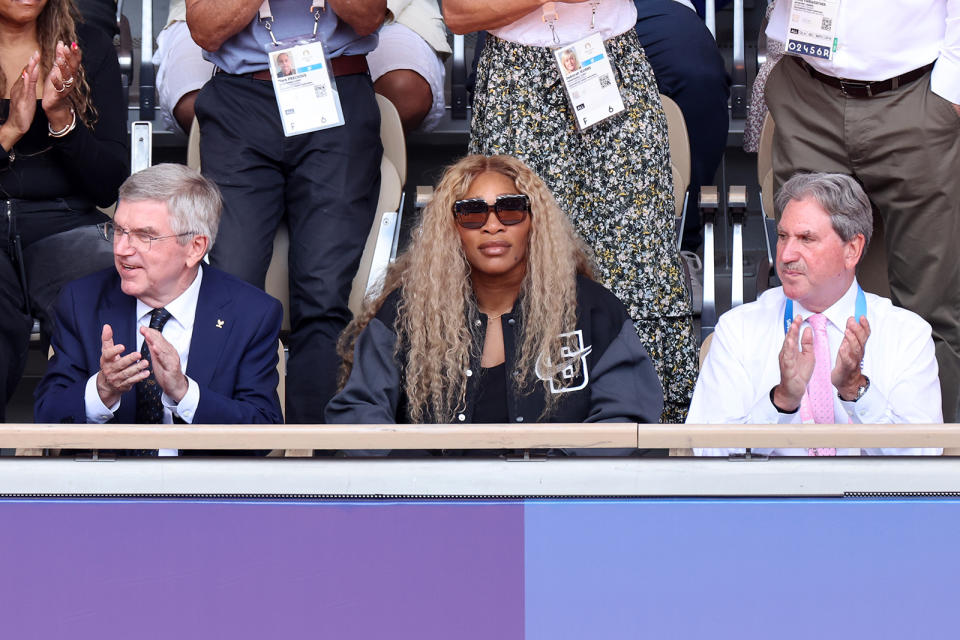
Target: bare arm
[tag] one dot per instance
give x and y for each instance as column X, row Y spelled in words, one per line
column 365, row 16
column 212, row 22
column 467, row 16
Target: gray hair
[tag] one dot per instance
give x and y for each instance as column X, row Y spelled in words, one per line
column 839, row 195
column 193, row 201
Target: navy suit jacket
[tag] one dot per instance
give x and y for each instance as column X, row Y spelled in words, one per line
column 233, row 351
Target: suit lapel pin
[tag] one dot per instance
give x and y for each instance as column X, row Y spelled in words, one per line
column 219, row 323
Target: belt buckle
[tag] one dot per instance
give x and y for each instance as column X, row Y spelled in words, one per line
column 846, row 85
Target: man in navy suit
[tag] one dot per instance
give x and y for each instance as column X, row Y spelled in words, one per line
column 160, row 338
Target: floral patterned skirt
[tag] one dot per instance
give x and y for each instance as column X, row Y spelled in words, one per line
column 614, row 181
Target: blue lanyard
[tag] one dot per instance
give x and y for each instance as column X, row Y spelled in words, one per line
column 860, row 310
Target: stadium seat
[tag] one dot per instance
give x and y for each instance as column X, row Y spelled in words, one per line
column 705, row 348
column 391, row 134
column 765, row 166
column 765, row 180
column 679, row 155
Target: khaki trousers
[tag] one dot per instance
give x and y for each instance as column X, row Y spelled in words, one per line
column 904, row 148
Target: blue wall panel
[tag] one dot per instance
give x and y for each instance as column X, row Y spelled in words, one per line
column 789, row 568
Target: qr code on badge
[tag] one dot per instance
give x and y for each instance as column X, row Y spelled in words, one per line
column 826, row 24
column 604, row 81
column 320, row 90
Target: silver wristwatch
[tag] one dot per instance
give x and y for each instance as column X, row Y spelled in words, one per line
column 862, row 389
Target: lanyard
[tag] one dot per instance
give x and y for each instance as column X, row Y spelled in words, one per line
column 266, row 16
column 860, row 309
column 550, row 16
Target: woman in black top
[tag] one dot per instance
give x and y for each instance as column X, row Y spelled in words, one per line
column 492, row 315
column 62, row 154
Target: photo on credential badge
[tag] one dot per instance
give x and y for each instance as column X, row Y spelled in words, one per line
column 569, row 60
column 283, row 61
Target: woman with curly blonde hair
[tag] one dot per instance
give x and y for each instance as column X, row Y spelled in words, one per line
column 492, row 315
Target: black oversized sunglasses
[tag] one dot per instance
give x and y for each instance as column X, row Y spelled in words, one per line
column 509, row 209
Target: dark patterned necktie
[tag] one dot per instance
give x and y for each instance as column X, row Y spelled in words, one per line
column 149, row 407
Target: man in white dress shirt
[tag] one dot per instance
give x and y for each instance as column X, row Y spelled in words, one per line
column 876, row 361
column 881, row 102
column 159, row 338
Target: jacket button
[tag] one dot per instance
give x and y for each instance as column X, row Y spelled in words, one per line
column 469, row 372
column 461, row 417
column 511, row 321
column 477, row 322
column 519, row 418
column 516, row 373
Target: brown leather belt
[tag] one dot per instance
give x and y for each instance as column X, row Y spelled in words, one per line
column 862, row 88
column 341, row 65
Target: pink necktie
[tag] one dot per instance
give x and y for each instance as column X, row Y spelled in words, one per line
column 820, row 389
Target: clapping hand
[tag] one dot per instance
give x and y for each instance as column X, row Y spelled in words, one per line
column 23, row 103
column 796, row 366
column 846, row 376
column 166, row 364
column 60, row 84
column 118, row 373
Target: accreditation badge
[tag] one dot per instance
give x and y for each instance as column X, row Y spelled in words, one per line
column 304, row 85
column 588, row 80
column 812, row 28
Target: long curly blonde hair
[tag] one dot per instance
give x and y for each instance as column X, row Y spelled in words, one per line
column 437, row 304
column 58, row 21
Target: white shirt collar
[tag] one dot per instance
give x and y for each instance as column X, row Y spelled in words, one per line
column 839, row 311
column 182, row 309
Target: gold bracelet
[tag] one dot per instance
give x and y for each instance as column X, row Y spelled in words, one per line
column 67, row 129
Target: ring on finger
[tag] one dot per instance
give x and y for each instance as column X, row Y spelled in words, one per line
column 68, row 82
column 62, row 88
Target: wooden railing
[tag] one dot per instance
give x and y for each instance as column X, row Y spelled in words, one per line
column 477, row 436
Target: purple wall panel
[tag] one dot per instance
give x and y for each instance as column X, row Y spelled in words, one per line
column 161, row 569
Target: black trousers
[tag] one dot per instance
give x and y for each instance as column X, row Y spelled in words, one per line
column 325, row 184
column 50, row 260
column 15, row 324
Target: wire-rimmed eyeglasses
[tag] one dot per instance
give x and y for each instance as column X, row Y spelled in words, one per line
column 139, row 240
